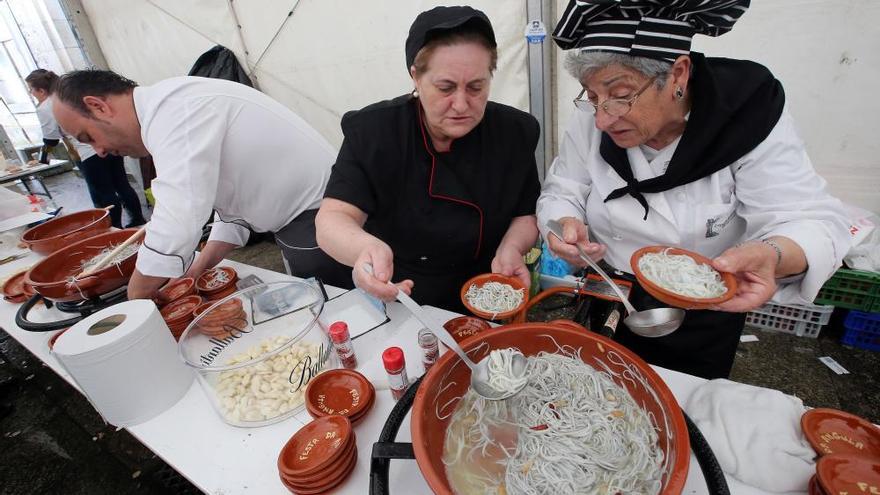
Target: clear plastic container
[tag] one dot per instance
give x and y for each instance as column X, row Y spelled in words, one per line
column 256, row 350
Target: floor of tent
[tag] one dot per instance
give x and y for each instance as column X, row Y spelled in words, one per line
column 53, row 441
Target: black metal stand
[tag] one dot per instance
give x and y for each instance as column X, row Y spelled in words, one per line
column 386, row 449
column 80, row 308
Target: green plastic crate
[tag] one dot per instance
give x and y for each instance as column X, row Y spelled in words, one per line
column 852, row 289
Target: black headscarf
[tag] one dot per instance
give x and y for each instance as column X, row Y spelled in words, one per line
column 734, row 106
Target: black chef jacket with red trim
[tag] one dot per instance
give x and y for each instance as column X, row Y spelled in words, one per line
column 443, row 213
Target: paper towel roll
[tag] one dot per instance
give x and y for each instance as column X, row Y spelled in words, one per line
column 125, row 360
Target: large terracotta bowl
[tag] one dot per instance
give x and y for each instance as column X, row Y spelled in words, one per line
column 62, row 231
column 673, row 298
column 449, row 379
column 50, row 277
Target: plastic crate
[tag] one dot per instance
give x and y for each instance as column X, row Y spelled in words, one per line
column 852, row 289
column 800, row 320
column 862, row 330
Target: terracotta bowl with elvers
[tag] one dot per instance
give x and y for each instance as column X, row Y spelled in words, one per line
column 673, row 298
column 484, row 278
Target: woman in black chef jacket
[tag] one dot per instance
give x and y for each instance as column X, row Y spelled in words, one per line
column 434, row 187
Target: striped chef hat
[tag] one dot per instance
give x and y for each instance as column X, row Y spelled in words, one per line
column 660, row 29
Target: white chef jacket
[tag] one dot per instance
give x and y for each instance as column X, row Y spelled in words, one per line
column 51, row 130
column 772, row 190
column 224, row 147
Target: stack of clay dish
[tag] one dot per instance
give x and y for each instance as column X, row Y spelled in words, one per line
column 175, row 289
column 223, row 320
column 318, row 457
column 342, row 392
column 178, row 314
column 63, row 231
column 15, row 290
column 217, row 283
column 849, row 450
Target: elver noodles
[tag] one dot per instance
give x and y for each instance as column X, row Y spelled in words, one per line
column 681, row 274
column 570, row 430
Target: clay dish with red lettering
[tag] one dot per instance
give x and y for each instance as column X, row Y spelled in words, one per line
column 340, row 391
column 315, row 446
column 830, row 431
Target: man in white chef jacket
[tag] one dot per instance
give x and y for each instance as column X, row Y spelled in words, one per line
column 219, row 147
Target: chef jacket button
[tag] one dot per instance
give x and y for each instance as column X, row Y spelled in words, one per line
column 617, row 238
column 424, row 258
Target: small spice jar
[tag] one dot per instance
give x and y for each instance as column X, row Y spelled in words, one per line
column 430, row 348
column 395, row 366
column 342, row 343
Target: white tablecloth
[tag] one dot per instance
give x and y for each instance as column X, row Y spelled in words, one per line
column 222, row 459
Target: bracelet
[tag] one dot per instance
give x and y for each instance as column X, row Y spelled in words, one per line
column 776, row 248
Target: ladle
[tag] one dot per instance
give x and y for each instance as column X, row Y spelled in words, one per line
column 648, row 323
column 479, row 371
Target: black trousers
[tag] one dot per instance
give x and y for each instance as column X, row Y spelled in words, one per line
column 705, row 344
column 108, row 185
column 302, row 256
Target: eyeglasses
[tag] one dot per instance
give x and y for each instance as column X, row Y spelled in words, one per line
column 615, row 107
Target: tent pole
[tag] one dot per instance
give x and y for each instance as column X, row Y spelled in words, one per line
column 83, row 32
column 247, row 53
column 540, row 83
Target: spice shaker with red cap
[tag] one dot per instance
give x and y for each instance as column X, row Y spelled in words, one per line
column 395, row 366
column 342, row 344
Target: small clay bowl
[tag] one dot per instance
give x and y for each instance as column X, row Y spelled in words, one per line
column 324, row 476
column 354, row 418
column 54, row 338
column 15, row 290
column 363, row 414
column 479, row 280
column 332, row 481
column 315, row 446
column 813, row 486
column 216, row 296
column 672, row 298
column 463, row 327
column 340, row 391
column 830, row 431
column 175, row 289
column 842, row 473
column 208, row 285
column 180, row 311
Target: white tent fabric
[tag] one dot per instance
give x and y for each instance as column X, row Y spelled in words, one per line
column 328, row 57
column 331, row 56
column 825, row 53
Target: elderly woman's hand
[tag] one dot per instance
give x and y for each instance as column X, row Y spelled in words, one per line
column 754, row 265
column 509, row 261
column 575, row 232
column 381, row 260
